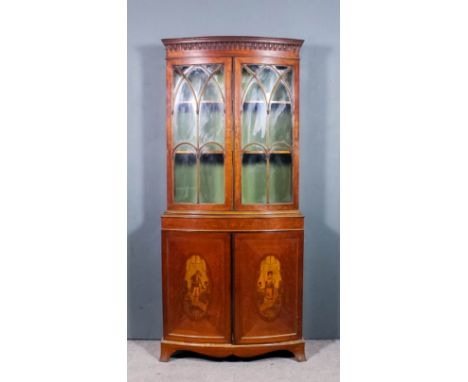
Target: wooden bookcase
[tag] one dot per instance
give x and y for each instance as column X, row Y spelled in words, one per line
column 232, row 235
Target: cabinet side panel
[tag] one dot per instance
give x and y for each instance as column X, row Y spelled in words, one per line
column 196, row 277
column 268, row 287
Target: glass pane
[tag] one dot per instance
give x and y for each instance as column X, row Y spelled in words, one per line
column 212, row 92
column 184, row 92
column 253, row 178
column 212, row 148
column 289, row 79
column 219, row 75
column 197, row 77
column 212, row 178
column 280, row 94
column 246, row 78
column 254, row 118
column 184, row 125
column 280, row 123
column 286, row 74
column 185, row 178
column 212, row 117
column 254, row 93
column 177, row 79
column 254, row 68
column 281, row 116
column 267, row 78
column 280, row 178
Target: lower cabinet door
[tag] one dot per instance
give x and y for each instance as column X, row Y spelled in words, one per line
column 267, row 286
column 197, row 286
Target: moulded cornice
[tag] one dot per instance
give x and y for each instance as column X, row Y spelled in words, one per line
column 233, row 43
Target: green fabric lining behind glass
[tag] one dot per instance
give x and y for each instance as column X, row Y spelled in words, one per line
column 253, row 179
column 212, row 178
column 185, row 178
column 280, row 178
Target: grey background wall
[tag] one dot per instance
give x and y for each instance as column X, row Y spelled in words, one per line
column 315, row 21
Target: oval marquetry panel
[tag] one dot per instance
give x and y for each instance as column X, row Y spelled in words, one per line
column 197, row 291
column 269, row 288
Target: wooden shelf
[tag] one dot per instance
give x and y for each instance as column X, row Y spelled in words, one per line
column 186, row 152
column 262, row 152
column 271, row 103
column 193, row 102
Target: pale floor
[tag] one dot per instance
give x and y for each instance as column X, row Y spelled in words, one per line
column 322, row 365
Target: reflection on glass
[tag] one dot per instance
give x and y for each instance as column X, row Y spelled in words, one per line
column 255, row 93
column 254, row 120
column 267, row 77
column 266, row 134
column 197, row 78
column 280, row 124
column 185, row 178
column 185, row 93
column 280, row 178
column 211, row 92
column 184, row 123
column 198, row 126
column 253, row 179
column 280, row 93
column 212, row 178
column 212, row 123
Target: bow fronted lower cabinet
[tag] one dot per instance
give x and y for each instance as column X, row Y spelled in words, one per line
column 232, row 235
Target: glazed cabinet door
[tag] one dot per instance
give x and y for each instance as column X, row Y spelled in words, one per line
column 266, row 133
column 199, row 133
column 197, row 286
column 268, row 287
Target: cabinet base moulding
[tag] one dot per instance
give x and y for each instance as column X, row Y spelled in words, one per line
column 168, row 348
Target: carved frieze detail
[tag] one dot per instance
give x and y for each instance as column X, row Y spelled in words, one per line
column 233, row 44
